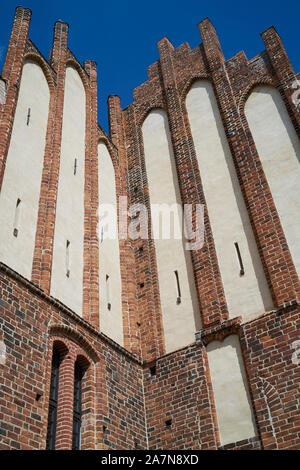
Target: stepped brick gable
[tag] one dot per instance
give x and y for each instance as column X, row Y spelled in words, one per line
column 136, row 342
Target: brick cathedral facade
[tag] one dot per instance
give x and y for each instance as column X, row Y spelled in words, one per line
column 152, row 376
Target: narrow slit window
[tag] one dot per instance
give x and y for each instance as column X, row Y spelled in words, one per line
column 28, row 116
column 178, row 287
column 242, row 270
column 75, row 166
column 68, row 271
column 108, row 298
column 77, row 407
column 53, row 401
column 17, row 218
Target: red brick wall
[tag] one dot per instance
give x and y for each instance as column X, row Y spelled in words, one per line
column 30, row 322
column 267, row 344
column 180, row 390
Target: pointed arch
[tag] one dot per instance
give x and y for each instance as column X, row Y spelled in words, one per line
column 39, row 60
column 63, row 331
column 75, row 65
column 268, row 81
column 149, row 109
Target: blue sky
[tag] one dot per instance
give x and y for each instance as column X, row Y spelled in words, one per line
column 122, row 36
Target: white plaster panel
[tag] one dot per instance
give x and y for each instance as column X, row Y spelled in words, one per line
column 69, row 224
column 181, row 321
column 231, row 393
column 23, row 172
column 111, row 321
column 279, row 149
column 2, row 91
column 246, row 295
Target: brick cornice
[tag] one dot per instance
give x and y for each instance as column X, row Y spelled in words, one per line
column 68, row 332
column 219, row 331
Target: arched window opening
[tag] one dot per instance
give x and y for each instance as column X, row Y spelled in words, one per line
column 77, row 408
column 53, row 401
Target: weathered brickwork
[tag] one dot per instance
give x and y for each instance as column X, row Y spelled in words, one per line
column 267, row 344
column 113, row 398
column 139, row 397
column 180, row 413
column 248, row 444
